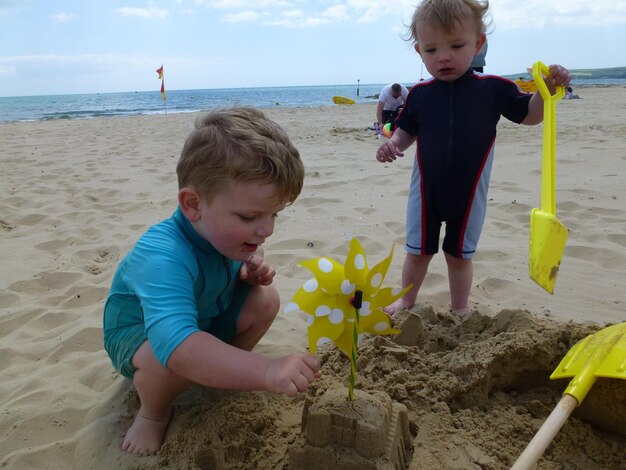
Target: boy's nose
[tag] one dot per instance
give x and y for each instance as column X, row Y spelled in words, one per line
column 266, row 229
column 444, row 57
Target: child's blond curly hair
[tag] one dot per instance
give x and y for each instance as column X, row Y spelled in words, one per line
column 447, row 14
column 241, row 145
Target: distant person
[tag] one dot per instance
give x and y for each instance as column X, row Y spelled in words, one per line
column 453, row 117
column 194, row 296
column 390, row 102
column 478, row 62
column 569, row 94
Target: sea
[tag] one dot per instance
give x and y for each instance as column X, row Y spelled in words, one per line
column 95, row 105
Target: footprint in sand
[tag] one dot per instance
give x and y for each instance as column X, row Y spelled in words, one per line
column 6, row 226
column 46, row 282
column 32, row 219
column 606, row 258
column 78, row 297
column 618, row 238
column 6, row 300
column 54, row 245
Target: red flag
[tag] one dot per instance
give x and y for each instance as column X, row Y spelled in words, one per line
column 160, row 72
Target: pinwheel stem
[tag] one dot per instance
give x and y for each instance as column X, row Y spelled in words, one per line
column 358, row 301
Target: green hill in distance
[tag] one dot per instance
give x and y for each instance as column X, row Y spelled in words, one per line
column 613, row 72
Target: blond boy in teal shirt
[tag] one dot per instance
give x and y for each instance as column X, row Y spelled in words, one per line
column 194, row 296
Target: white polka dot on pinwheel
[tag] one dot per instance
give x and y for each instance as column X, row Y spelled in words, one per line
column 376, row 280
column 322, row 311
column 323, row 340
column 336, row 316
column 311, row 285
column 309, row 320
column 325, row 265
column 347, row 287
column 292, row 307
column 382, row 326
column 365, row 309
column 359, row 261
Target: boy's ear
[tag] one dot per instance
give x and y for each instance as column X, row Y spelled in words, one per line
column 189, row 201
column 480, row 42
column 417, row 49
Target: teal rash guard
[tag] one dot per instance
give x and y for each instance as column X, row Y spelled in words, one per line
column 172, row 284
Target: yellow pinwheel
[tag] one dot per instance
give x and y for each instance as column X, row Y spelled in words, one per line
column 328, row 299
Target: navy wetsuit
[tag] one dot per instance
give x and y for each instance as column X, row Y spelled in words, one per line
column 455, row 125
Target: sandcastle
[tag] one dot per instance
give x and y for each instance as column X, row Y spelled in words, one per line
column 369, row 433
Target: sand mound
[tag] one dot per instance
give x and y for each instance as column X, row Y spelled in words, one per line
column 476, row 391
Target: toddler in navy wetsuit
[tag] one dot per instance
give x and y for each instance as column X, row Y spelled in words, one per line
column 453, row 118
column 194, row 295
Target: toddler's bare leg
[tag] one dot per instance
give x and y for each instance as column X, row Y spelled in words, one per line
column 157, row 388
column 257, row 314
column 460, row 273
column 413, row 272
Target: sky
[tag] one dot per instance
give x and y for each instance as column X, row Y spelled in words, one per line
column 52, row 47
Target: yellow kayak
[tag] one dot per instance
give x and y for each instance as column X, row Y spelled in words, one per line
column 343, row 100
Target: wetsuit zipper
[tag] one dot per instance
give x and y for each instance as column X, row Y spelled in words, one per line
column 450, row 124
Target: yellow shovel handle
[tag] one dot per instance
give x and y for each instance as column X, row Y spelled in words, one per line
column 548, row 185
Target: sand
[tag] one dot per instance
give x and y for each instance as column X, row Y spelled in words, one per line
column 76, row 195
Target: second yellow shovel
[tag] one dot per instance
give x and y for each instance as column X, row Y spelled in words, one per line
column 547, row 234
column 602, row 354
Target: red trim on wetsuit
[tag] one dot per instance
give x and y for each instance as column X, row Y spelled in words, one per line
column 468, row 210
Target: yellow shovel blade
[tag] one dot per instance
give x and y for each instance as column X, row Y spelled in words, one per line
column 547, row 242
column 602, row 354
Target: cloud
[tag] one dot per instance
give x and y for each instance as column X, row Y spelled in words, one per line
column 97, row 63
column 337, row 12
column 150, row 12
column 63, row 17
column 241, row 17
column 506, row 14
column 295, row 22
column 292, row 14
column 372, row 10
column 242, row 4
column 7, row 70
column 81, row 61
column 537, row 14
column 299, row 19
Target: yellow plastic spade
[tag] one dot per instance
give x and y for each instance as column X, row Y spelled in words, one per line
column 547, row 234
column 602, row 354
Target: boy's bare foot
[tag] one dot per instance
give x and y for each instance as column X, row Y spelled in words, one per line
column 462, row 312
column 145, row 436
column 397, row 306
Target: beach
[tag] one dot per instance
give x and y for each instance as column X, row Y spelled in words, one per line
column 77, row 193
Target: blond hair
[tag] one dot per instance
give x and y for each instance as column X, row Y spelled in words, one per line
column 241, row 145
column 447, row 14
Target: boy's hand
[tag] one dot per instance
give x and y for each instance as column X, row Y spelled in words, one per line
column 291, row 374
column 256, row 271
column 388, row 152
column 559, row 76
